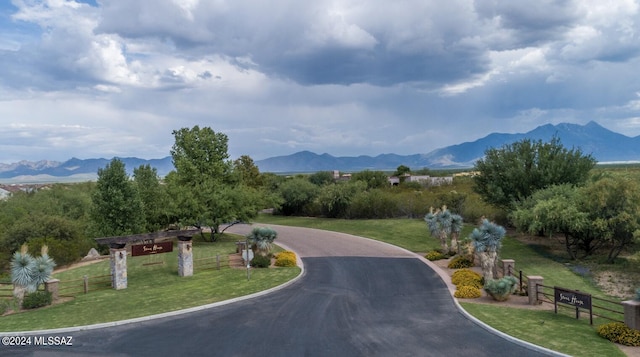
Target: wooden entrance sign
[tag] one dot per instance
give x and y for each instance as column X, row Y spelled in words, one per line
column 151, row 248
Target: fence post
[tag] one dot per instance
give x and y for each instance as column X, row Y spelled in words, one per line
column 51, row 286
column 532, row 288
column 85, row 279
column 508, row 267
column 218, row 261
column 632, row 314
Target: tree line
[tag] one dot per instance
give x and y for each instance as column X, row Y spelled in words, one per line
column 539, row 188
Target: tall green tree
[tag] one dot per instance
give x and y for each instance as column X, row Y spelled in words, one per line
column 154, row 197
column 296, row 194
column 513, row 172
column 117, row 208
column 248, row 172
column 206, row 191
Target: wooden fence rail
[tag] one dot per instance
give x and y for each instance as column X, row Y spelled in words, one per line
column 217, row 262
column 83, row 285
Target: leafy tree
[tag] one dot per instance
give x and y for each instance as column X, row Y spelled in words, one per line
column 296, row 194
column 321, row 178
column 375, row 203
column 335, row 199
column 513, row 172
column 402, row 170
column 154, row 197
column 117, row 207
column 487, row 240
column 613, row 205
column 248, row 172
column 604, row 213
column 557, row 210
column 205, row 190
column 373, row 179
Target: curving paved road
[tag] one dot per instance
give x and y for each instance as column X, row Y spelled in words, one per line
column 357, row 297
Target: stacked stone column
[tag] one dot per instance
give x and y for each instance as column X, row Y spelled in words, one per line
column 118, row 268
column 185, row 257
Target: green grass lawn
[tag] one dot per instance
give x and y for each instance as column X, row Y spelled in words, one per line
column 151, row 289
column 561, row 332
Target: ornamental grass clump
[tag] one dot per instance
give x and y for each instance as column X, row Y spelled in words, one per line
column 501, row 289
column 286, row 259
column 466, row 277
column 434, row 255
column 618, row 332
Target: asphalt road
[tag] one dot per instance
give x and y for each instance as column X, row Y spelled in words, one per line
column 357, row 298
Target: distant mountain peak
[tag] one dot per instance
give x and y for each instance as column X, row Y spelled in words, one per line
column 603, row 144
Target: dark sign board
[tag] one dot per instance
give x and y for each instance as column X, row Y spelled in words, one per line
column 574, row 298
column 151, row 248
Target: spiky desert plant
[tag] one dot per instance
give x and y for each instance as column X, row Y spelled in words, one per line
column 43, row 267
column 442, row 224
column 457, row 223
column 22, row 267
column 262, row 237
column 487, row 240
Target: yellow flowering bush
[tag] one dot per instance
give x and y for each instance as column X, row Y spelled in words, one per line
column 466, row 277
column 467, row 292
column 618, row 332
column 286, row 259
column 434, row 255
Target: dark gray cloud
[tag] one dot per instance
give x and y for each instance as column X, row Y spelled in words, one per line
column 113, row 77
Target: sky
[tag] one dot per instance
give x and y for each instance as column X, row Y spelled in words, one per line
column 105, row 78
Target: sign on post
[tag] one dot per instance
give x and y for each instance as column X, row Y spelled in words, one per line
column 574, row 298
column 151, row 248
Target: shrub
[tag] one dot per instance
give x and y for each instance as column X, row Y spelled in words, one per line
column 286, row 259
column 467, row 292
column 4, row 306
column 261, row 261
column 466, row 277
column 434, row 255
column 36, row 299
column 500, row 289
column 618, row 332
column 460, row 262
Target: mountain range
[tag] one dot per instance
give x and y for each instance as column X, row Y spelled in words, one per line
column 603, row 144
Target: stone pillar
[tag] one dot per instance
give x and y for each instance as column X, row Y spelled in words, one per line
column 51, row 286
column 508, row 267
column 185, row 258
column 632, row 314
column 532, row 288
column 118, row 268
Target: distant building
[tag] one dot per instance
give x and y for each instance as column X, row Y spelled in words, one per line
column 424, row 180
